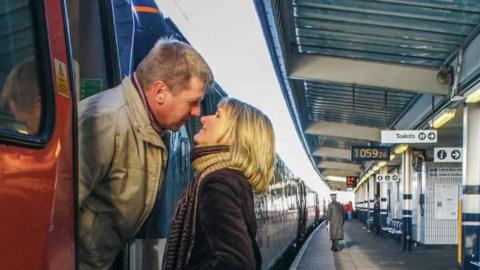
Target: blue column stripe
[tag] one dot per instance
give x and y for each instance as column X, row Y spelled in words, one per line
column 383, row 199
column 470, row 217
column 471, row 189
column 407, row 196
column 406, row 212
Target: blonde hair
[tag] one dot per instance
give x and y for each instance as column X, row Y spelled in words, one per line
column 175, row 63
column 252, row 142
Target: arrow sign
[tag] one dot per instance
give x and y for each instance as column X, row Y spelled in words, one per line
column 456, row 154
column 447, row 154
column 409, row 136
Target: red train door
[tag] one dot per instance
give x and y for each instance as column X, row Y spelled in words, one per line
column 36, row 138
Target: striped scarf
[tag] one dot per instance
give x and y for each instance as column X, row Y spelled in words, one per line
column 180, row 240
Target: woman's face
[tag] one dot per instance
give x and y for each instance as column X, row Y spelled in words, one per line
column 210, row 133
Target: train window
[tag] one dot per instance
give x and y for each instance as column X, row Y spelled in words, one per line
column 23, row 74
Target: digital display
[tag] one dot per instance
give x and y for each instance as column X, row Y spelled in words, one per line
column 370, row 153
column 352, row 181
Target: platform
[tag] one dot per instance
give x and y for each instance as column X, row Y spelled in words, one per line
column 363, row 250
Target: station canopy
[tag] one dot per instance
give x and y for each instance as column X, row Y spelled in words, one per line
column 350, row 68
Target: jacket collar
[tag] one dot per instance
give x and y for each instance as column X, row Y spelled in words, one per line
column 139, row 114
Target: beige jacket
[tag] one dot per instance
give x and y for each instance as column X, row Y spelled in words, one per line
column 121, row 167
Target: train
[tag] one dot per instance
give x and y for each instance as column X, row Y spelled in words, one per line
column 80, row 48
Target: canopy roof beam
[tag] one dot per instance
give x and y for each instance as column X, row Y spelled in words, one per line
column 333, row 172
column 339, row 166
column 332, row 152
column 389, row 76
column 349, row 131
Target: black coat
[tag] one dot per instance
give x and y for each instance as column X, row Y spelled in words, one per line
column 226, row 225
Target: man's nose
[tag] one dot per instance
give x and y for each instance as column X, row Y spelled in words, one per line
column 196, row 110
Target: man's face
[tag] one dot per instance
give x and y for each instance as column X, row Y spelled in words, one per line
column 172, row 111
column 31, row 118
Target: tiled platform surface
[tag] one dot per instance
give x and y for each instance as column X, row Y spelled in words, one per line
column 365, row 251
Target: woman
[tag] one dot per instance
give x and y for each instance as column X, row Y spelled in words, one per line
column 214, row 226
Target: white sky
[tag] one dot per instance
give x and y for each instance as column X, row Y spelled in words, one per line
column 229, row 36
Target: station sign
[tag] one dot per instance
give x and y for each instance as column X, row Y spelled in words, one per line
column 360, row 153
column 352, row 181
column 409, row 136
column 390, row 177
column 447, row 154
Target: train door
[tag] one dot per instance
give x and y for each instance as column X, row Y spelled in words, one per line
column 110, row 38
column 37, row 197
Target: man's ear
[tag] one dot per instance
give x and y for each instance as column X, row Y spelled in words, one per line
column 159, row 91
column 37, row 101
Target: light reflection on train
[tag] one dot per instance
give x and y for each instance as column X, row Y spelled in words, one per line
column 285, row 214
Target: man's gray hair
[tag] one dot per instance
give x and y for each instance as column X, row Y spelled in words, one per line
column 175, row 63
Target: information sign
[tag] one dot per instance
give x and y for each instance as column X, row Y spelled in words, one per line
column 446, row 201
column 447, row 154
column 409, row 136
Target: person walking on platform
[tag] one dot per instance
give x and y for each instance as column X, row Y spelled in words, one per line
column 348, row 209
column 214, row 225
column 122, row 157
column 376, row 215
column 335, row 222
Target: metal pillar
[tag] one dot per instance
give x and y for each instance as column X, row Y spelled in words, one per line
column 365, row 203
column 371, row 195
column 407, row 200
column 383, row 201
column 471, row 186
column 362, row 204
column 357, row 203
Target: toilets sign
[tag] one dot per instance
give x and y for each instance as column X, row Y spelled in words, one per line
column 409, row 136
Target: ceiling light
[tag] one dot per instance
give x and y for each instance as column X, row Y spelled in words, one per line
column 401, row 148
column 474, row 96
column 392, row 157
column 445, row 116
column 381, row 164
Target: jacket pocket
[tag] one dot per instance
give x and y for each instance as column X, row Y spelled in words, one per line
column 87, row 221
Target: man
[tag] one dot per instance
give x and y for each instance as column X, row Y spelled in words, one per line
column 21, row 96
column 122, row 157
column 376, row 215
column 335, row 221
